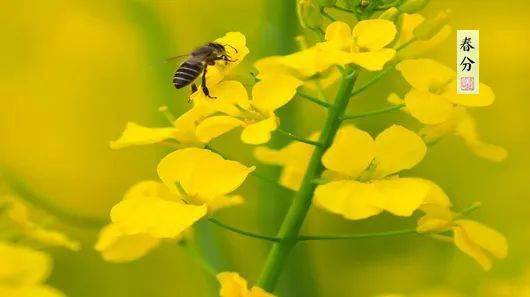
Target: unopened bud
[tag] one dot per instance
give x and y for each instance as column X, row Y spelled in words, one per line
column 364, row 3
column 411, row 6
column 309, row 14
column 431, row 27
column 326, row 3
column 389, row 14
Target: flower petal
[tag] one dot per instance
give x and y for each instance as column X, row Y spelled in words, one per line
column 260, row 132
column 30, row 291
column 374, row 34
column 428, row 108
column 259, row 292
column 466, row 128
column 228, row 95
column 484, row 98
column 425, row 74
column 339, row 32
column 401, row 196
column 396, row 149
column 436, row 195
column 470, row 248
column 201, row 173
column 224, row 201
column 351, row 199
column 235, row 45
column 232, row 285
column 374, row 60
column 135, row 134
column 273, row 91
column 216, row 126
column 117, row 246
column 150, row 189
column 156, row 217
column 20, row 266
column 351, row 153
column 485, row 237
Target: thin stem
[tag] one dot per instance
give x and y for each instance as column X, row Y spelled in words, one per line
column 357, row 236
column 406, row 44
column 343, row 9
column 192, row 251
column 314, row 100
column 297, row 212
column 298, row 138
column 372, row 112
column 375, row 79
column 243, row 232
column 327, row 15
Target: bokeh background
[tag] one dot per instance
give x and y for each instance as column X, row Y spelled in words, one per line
column 74, row 72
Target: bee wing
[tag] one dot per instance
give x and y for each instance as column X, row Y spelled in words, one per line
column 176, row 58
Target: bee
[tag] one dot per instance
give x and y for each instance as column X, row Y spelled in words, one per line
column 197, row 63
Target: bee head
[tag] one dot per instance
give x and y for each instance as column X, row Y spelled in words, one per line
column 221, row 49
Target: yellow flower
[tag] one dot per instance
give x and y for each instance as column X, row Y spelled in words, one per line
column 184, row 128
column 474, row 239
column 361, row 168
column 363, row 46
column 233, row 109
column 233, row 285
column 409, row 22
column 433, row 96
column 196, row 181
column 235, row 45
column 183, row 131
column 18, row 213
column 462, row 124
column 294, row 159
column 23, row 272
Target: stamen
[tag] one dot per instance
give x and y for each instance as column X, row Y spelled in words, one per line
column 169, row 116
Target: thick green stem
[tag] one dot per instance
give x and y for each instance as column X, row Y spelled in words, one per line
column 297, row 212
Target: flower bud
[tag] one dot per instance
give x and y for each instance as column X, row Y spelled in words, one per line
column 326, row 3
column 390, row 14
column 431, row 27
column 309, row 14
column 411, row 6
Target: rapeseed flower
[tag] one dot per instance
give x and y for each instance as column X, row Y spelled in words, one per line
column 473, row 238
column 233, row 285
column 24, row 224
column 183, row 130
column 363, row 171
column 195, row 182
column 433, row 97
column 23, row 272
column 232, row 108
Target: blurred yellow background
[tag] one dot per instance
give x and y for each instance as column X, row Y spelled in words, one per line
column 74, row 72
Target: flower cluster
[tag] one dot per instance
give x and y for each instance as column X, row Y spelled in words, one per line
column 23, row 267
column 341, row 168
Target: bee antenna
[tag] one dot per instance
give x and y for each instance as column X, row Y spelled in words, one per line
column 231, row 47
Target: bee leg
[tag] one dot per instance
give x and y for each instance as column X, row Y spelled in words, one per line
column 203, row 84
column 193, row 90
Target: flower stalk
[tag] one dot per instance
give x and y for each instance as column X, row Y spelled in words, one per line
column 297, row 212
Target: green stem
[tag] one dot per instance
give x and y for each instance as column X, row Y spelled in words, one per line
column 297, row 212
column 375, row 79
column 298, row 138
column 314, row 100
column 193, row 253
column 357, row 236
column 373, row 112
column 243, row 232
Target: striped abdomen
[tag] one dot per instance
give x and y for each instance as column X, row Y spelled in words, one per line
column 187, row 73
